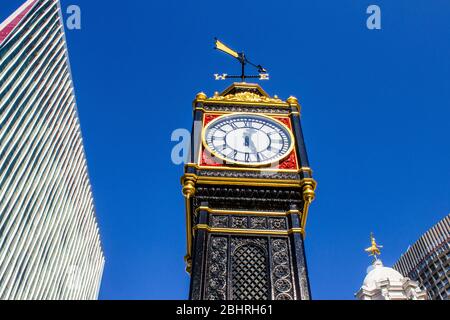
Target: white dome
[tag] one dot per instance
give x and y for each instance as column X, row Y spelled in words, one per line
column 381, row 273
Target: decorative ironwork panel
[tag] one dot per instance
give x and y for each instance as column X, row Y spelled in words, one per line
column 281, row 270
column 277, row 223
column 242, row 198
column 249, row 270
column 216, row 285
column 258, row 223
column 239, row 222
column 248, row 222
column 252, row 109
column 219, row 221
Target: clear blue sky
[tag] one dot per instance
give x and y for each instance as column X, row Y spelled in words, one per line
column 376, row 116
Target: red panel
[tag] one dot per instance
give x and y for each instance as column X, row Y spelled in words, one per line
column 209, row 160
column 14, row 22
column 290, row 163
column 209, row 118
column 285, row 121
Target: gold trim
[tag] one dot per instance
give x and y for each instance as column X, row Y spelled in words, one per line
column 309, row 196
column 261, row 164
column 248, row 231
column 247, row 212
column 242, row 98
column 188, row 192
column 297, row 230
column 263, row 113
column 248, row 181
column 245, row 96
column 188, row 257
column 245, row 85
column 282, row 104
column 262, row 170
column 237, row 212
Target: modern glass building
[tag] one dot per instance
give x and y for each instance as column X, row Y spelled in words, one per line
column 428, row 261
column 49, row 238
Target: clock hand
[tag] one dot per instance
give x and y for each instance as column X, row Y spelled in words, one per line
column 249, row 141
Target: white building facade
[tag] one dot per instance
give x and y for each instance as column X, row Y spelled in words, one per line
column 382, row 283
column 49, row 238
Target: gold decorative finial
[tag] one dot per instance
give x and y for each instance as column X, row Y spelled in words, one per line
column 201, row 96
column 374, row 250
column 292, row 100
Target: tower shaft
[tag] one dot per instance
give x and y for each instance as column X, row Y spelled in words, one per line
column 246, row 223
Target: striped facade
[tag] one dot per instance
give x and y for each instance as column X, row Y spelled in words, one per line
column 49, row 238
column 428, row 261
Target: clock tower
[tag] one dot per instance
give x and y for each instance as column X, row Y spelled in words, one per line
column 248, row 187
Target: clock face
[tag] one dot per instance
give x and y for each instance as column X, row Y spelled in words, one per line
column 248, row 139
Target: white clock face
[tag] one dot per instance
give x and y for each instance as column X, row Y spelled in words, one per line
column 248, row 139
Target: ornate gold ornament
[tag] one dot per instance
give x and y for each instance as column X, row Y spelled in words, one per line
column 309, row 196
column 292, row 101
column 201, row 97
column 189, row 187
column 246, row 97
column 374, row 250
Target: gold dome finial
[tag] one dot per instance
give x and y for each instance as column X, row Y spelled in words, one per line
column 189, row 188
column 374, row 250
column 201, row 96
column 292, row 100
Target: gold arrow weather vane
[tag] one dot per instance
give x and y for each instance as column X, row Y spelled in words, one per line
column 222, row 47
column 240, row 56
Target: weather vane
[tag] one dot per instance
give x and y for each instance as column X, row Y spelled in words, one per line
column 374, row 250
column 263, row 75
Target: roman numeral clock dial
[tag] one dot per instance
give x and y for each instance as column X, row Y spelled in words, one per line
column 248, row 139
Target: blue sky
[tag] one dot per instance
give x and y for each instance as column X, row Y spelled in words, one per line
column 376, row 110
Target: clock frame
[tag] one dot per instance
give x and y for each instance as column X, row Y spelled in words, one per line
column 226, row 161
column 206, row 158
